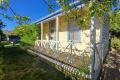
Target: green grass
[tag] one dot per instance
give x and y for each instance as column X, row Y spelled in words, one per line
column 16, row 64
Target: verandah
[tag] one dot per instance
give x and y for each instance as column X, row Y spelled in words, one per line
column 89, row 60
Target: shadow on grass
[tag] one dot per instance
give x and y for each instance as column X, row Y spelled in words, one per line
column 16, row 64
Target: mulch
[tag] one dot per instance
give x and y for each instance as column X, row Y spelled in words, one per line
column 111, row 67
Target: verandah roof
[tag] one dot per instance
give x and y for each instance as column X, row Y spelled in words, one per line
column 54, row 14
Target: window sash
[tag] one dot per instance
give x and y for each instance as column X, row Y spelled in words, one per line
column 73, row 30
column 74, row 35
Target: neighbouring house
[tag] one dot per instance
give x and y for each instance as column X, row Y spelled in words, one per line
column 14, row 38
column 60, row 34
column 11, row 36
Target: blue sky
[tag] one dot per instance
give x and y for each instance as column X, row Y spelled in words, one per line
column 35, row 9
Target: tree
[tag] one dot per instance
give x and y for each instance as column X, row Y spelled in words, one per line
column 94, row 7
column 2, row 25
column 4, row 6
column 115, row 24
column 27, row 33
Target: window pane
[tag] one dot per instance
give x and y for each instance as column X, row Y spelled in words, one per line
column 71, row 37
column 75, row 35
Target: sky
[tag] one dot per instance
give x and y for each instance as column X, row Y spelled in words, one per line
column 35, row 9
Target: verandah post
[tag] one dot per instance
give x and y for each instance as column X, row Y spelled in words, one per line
column 92, row 46
column 57, row 32
column 41, row 33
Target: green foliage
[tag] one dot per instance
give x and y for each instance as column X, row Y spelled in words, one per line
column 4, row 43
column 27, row 33
column 2, row 35
column 116, row 43
column 93, row 7
column 2, row 25
column 22, row 19
column 84, row 69
column 115, row 30
column 4, row 4
column 115, row 24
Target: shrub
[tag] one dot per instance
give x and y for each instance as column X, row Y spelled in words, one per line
column 115, row 25
column 4, row 43
column 27, row 33
column 115, row 42
column 84, row 69
column 115, row 30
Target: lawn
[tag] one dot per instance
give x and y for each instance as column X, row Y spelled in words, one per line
column 17, row 64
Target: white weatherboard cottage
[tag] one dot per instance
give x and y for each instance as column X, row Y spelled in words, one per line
column 61, row 35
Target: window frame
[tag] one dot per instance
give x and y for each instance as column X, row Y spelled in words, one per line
column 71, row 31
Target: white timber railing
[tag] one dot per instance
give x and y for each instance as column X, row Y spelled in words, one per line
column 70, row 49
column 70, row 53
column 63, row 46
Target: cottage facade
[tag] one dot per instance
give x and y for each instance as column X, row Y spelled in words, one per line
column 56, row 28
column 60, row 34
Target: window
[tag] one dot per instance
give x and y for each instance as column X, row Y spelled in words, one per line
column 74, row 35
column 73, row 31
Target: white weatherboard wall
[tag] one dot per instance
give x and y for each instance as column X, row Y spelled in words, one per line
column 63, row 34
